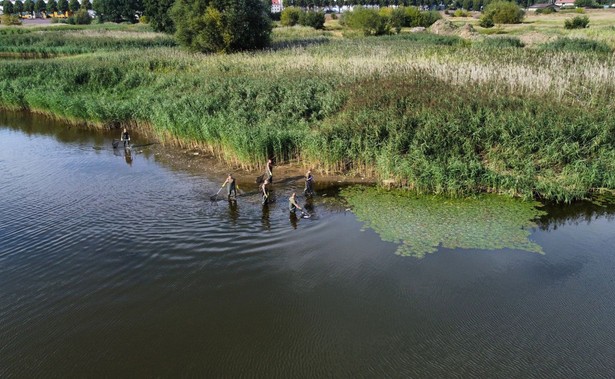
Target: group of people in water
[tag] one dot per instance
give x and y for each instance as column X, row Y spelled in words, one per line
column 264, row 188
column 267, row 179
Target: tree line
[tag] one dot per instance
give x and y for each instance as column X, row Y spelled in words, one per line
column 236, row 25
column 39, row 6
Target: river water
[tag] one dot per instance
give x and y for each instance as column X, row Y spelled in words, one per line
column 121, row 266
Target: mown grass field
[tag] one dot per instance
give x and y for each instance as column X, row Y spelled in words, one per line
column 436, row 113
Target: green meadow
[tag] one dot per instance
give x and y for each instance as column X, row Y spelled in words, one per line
column 525, row 111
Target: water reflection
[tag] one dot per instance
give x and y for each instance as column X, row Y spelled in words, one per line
column 309, row 206
column 575, row 213
column 128, row 155
column 293, row 220
column 246, row 288
column 265, row 220
column 233, row 211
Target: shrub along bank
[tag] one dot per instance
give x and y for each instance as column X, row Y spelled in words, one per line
column 455, row 119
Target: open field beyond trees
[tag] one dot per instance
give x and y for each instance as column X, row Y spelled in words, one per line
column 524, row 110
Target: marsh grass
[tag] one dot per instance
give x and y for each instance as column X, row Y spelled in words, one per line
column 435, row 114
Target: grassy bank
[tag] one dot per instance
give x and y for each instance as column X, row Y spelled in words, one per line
column 437, row 114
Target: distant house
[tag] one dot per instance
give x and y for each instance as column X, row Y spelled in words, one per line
column 535, row 7
column 564, row 3
column 276, row 6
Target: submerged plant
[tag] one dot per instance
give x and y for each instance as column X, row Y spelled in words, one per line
column 422, row 223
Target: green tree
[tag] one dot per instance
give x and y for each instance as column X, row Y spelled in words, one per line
column 18, row 6
column 73, row 5
column 86, row 4
column 222, row 25
column 7, row 7
column 118, row 10
column 52, row 6
column 63, row 6
column 159, row 16
column 28, row 6
column 40, row 6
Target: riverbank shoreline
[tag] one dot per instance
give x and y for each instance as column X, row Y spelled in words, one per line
column 391, row 120
column 199, row 159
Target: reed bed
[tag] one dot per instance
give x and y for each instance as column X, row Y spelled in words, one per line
column 434, row 114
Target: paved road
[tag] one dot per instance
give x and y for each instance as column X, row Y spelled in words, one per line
column 36, row 21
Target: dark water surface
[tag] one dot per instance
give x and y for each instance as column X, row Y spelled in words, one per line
column 117, row 269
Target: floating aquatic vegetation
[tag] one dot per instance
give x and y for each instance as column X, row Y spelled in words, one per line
column 422, row 223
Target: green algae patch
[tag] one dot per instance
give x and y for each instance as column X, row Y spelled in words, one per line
column 420, row 224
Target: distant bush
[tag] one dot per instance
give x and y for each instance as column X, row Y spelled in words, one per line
column 415, row 17
column 461, row 13
column 7, row 19
column 547, row 10
column 397, row 19
column 312, row 19
column 290, row 16
column 579, row 10
column 501, row 12
column 578, row 22
column 578, row 45
column 369, row 21
column 586, row 4
column 81, row 17
column 428, row 18
column 486, row 22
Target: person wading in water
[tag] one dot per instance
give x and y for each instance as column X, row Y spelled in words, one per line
column 269, row 171
column 125, row 137
column 292, row 203
column 309, row 184
column 265, row 191
column 232, row 186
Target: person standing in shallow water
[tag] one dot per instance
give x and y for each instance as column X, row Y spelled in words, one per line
column 309, row 184
column 265, row 191
column 269, row 171
column 232, row 186
column 125, row 137
column 292, row 203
